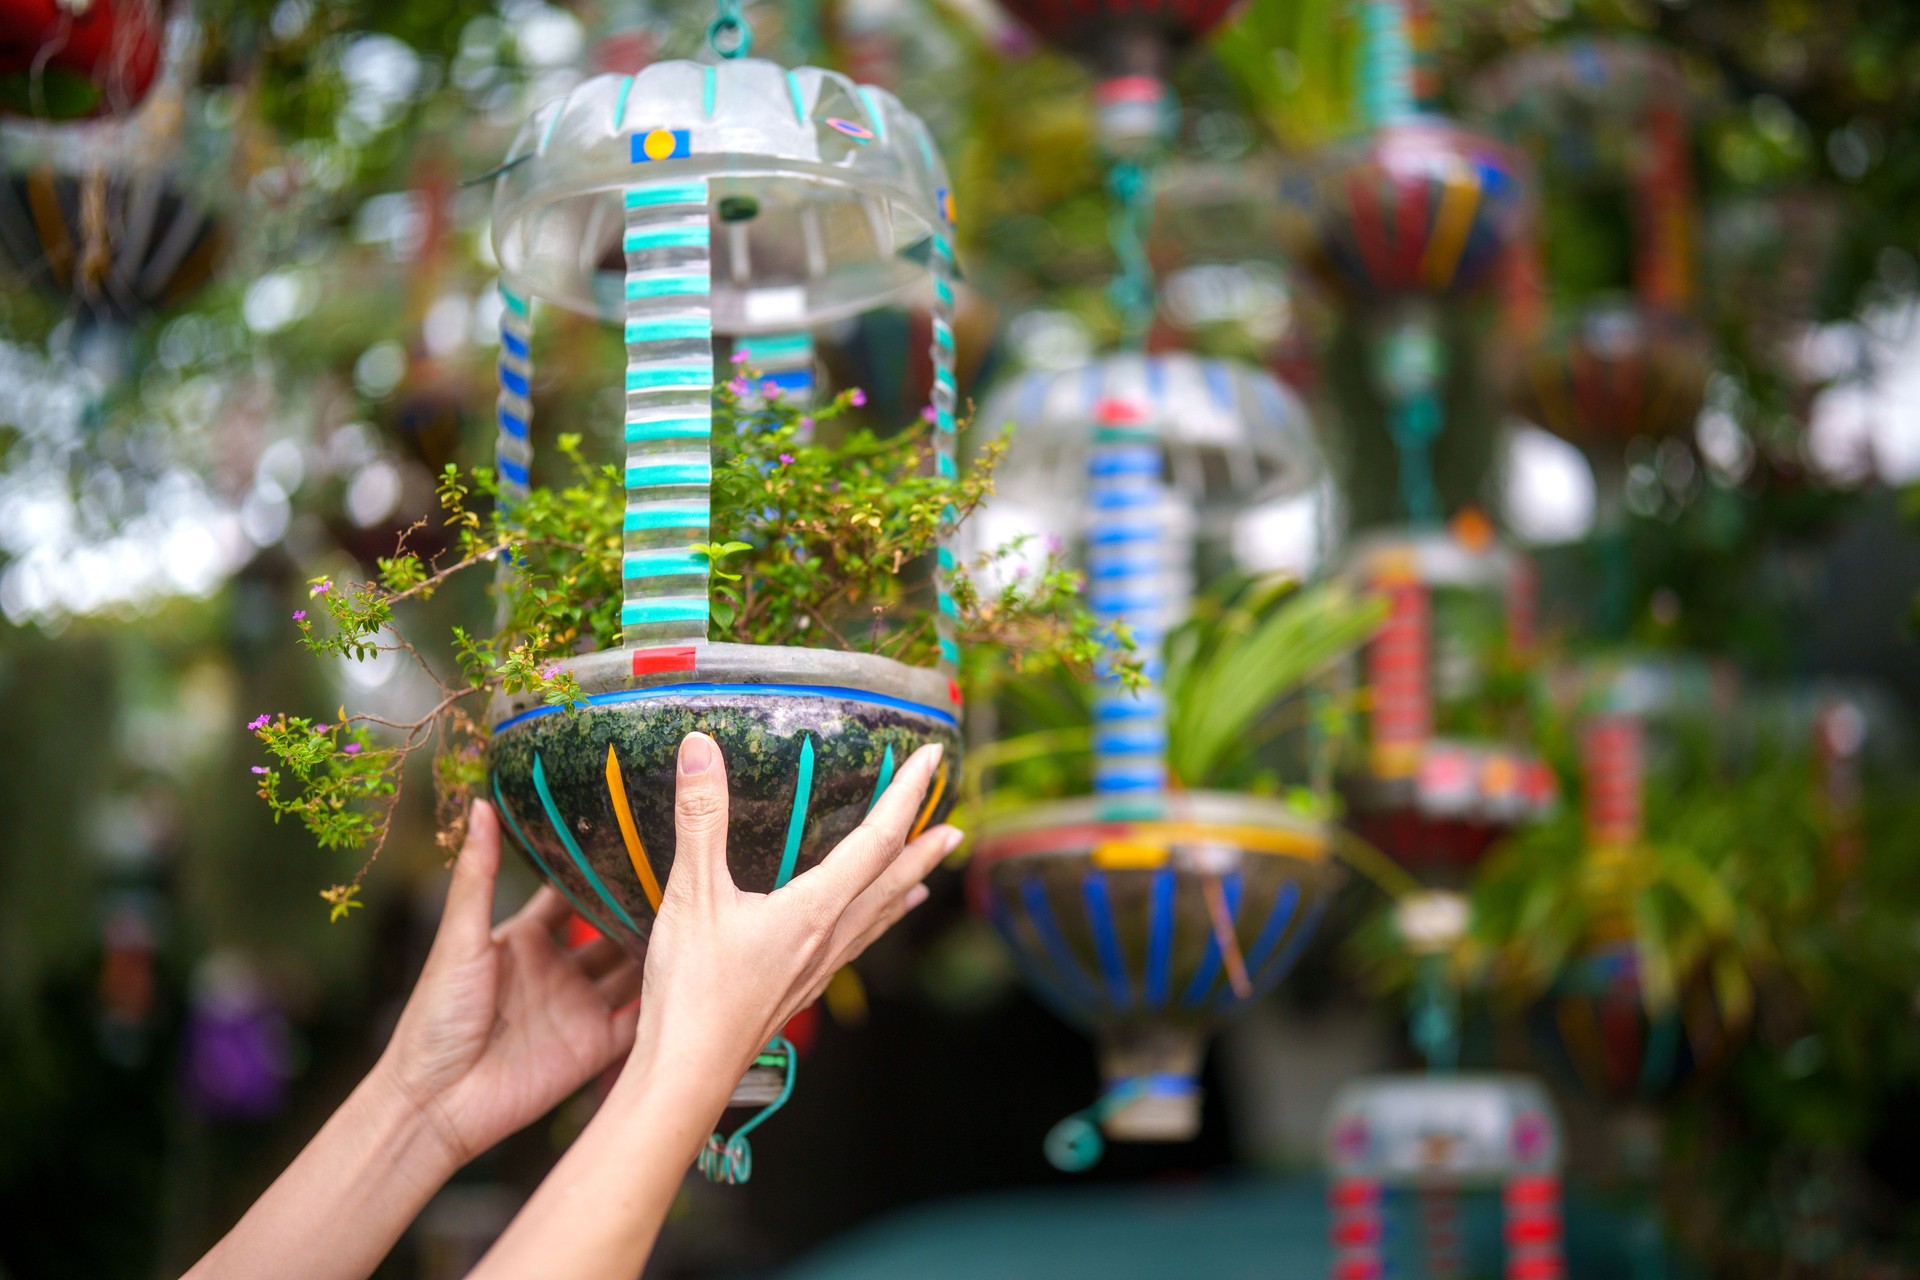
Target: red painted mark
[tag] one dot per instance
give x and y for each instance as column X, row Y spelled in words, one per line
column 648, row 662
column 953, row 691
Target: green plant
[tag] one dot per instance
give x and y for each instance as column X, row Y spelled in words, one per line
column 1238, row 678
column 811, row 544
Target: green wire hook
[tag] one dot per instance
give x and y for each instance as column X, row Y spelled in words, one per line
column 730, row 1163
column 1131, row 188
column 729, row 34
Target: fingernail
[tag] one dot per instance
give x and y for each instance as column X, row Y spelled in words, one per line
column 951, row 840
column 939, row 749
column 696, row 754
column 917, row 895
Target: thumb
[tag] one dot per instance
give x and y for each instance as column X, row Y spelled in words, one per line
column 700, row 816
column 469, row 910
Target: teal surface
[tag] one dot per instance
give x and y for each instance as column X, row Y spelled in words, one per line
column 1240, row 1229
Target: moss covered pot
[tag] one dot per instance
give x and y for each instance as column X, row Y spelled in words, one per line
column 810, row 739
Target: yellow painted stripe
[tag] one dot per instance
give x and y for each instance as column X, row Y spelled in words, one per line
column 636, row 852
column 1246, row 838
column 933, row 798
column 1450, row 226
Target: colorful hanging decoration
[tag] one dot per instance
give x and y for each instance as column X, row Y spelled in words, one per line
column 1440, row 782
column 120, row 218
column 1431, row 1140
column 1418, row 212
column 72, row 59
column 1614, row 371
column 738, row 202
column 1146, row 914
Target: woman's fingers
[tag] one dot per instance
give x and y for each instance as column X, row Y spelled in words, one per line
column 700, row 817
column 856, row 862
column 547, row 910
column 875, row 910
column 467, row 919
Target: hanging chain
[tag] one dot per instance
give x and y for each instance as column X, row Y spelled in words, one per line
column 1130, row 187
column 728, row 34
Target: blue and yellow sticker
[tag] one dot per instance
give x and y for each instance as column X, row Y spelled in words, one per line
column 661, row 144
column 944, row 198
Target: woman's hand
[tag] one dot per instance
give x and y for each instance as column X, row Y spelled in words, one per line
column 725, row 970
column 505, row 1023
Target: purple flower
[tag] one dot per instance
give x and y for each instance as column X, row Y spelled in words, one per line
column 858, row 397
column 786, row 459
column 550, row 672
column 258, row 723
column 928, row 415
column 740, row 356
column 321, row 587
column 739, row 387
column 259, row 768
column 322, row 728
column 770, row 389
column 299, row 615
column 352, row 748
column 1053, row 544
column 806, row 424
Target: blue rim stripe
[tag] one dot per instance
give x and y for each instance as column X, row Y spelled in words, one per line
column 750, row 690
column 1038, row 980
column 500, row 807
column 1106, row 940
column 1159, row 937
column 1209, row 970
column 1277, row 968
column 1033, row 895
column 573, row 849
column 797, row 820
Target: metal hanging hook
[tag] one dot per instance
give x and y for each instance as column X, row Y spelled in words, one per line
column 729, row 34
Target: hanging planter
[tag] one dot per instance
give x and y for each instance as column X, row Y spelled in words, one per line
column 1154, row 909
column 1441, row 781
column 743, row 198
column 1439, row 1137
column 71, row 59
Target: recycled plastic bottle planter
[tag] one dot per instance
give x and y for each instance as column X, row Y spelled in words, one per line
column 742, row 198
column 1146, row 914
column 1430, row 800
column 1439, row 1136
column 1149, row 933
column 63, row 60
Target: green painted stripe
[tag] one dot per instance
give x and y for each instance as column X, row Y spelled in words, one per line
column 797, row 820
column 676, row 517
column 779, row 346
column 635, row 613
column 655, row 194
column 546, row 136
column 500, row 807
column 662, row 564
column 946, row 605
column 707, row 93
column 949, row 651
column 942, row 334
column 886, row 776
column 670, row 429
column 573, row 849
column 515, row 303
column 946, row 558
column 793, row 87
column 647, row 475
column 943, row 466
column 620, row 103
column 643, row 238
column 878, row 120
column 670, row 329
column 674, row 286
column 691, row 377
column 943, row 291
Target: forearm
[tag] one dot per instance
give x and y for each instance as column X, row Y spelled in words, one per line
column 596, row 1215
column 344, row 1201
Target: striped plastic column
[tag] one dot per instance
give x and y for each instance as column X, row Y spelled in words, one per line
column 1386, row 65
column 1358, row 1210
column 1613, row 762
column 1128, row 555
column 945, row 397
column 513, row 410
column 1401, row 710
column 669, row 417
column 1532, row 1230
